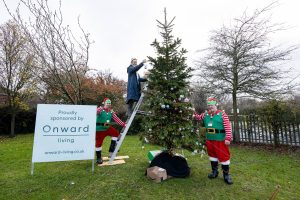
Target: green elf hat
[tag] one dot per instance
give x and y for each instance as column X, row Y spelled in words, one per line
column 211, row 101
column 106, row 101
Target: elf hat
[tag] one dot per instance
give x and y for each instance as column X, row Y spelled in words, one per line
column 106, row 101
column 211, row 101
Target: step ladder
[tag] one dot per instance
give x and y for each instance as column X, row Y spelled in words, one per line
column 128, row 124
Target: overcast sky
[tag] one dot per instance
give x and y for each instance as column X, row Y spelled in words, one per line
column 122, row 29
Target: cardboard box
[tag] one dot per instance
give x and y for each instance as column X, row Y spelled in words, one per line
column 157, row 174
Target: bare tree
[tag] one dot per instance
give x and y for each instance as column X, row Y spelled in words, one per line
column 198, row 98
column 62, row 58
column 241, row 61
column 16, row 68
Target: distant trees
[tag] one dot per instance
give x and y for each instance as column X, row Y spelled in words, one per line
column 45, row 53
column 101, row 85
column 198, row 98
column 61, row 57
column 16, row 69
column 95, row 87
column 241, row 61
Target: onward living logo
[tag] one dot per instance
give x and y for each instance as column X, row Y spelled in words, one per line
column 72, row 129
column 65, row 131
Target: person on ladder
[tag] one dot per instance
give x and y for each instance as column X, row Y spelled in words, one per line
column 103, row 128
column 218, row 137
column 133, row 84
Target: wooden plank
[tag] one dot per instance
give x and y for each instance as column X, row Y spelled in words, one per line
column 294, row 133
column 286, row 133
column 258, row 129
column 290, row 133
column 298, row 125
column 249, row 128
column 244, row 129
column 282, row 133
column 264, row 125
column 255, row 128
column 116, row 158
column 114, row 162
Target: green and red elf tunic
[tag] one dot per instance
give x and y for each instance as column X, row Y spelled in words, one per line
column 103, row 127
column 104, row 117
column 218, row 129
column 219, row 121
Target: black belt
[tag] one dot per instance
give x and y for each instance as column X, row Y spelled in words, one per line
column 102, row 124
column 213, row 130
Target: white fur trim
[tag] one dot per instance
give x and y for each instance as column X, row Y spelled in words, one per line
column 114, row 138
column 226, row 162
column 213, row 159
column 98, row 148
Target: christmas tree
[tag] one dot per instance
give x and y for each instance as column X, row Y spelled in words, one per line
column 169, row 122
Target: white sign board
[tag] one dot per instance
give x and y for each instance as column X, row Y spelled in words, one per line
column 64, row 132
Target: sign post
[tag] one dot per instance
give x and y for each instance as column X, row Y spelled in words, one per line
column 64, row 132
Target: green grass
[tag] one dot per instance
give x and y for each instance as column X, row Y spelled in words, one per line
column 256, row 174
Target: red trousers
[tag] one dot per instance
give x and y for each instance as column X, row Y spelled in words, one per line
column 218, row 149
column 100, row 135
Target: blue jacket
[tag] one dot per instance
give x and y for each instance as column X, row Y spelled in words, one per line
column 133, row 84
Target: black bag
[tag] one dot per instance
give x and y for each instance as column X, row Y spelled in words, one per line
column 176, row 166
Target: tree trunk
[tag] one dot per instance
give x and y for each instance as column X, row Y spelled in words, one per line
column 12, row 124
column 236, row 133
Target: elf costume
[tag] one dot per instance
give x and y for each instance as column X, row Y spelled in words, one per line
column 103, row 128
column 218, row 132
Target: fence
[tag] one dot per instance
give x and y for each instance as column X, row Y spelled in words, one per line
column 256, row 129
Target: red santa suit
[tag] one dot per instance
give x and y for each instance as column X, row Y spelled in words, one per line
column 104, row 128
column 218, row 129
column 218, row 137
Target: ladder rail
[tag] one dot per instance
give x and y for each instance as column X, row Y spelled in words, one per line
column 123, row 134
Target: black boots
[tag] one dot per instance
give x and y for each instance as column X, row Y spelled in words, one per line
column 214, row 173
column 214, row 168
column 112, row 147
column 226, row 175
column 99, row 158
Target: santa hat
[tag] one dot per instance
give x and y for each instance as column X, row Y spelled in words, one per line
column 211, row 101
column 106, row 100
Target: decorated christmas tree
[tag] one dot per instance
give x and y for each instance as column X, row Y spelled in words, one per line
column 169, row 121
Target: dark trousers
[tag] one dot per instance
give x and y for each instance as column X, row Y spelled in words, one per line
column 131, row 104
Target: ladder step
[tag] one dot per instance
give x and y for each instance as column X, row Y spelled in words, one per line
column 141, row 112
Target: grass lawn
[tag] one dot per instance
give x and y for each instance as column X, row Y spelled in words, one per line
column 256, row 174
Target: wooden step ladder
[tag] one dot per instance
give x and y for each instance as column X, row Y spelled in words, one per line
column 128, row 124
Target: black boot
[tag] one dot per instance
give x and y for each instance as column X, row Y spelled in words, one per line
column 99, row 158
column 226, row 175
column 112, row 147
column 214, row 167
